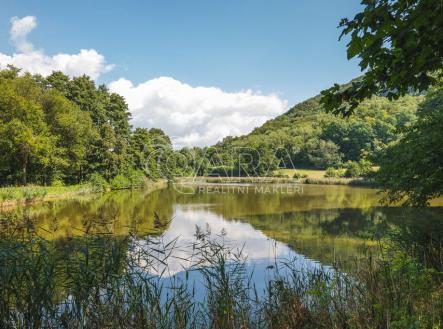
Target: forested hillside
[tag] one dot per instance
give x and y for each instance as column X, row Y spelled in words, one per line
column 307, row 136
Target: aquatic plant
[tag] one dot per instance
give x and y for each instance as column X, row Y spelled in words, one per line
column 104, row 281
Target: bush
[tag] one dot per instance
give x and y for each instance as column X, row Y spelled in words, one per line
column 57, row 183
column 352, row 169
column 332, row 172
column 98, row 183
column 136, row 178
column 358, row 169
column 120, row 182
column 280, row 174
column 323, row 154
column 298, row 175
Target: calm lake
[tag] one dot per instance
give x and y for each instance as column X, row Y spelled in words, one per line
column 313, row 225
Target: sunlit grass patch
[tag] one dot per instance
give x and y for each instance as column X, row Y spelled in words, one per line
column 305, row 173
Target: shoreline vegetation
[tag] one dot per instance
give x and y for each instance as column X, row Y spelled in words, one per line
column 90, row 282
column 11, row 197
column 309, row 179
column 23, row 195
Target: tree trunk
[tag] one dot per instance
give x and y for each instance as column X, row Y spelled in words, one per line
column 23, row 173
column 25, row 157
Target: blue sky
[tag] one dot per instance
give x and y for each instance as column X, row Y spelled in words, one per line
column 286, row 48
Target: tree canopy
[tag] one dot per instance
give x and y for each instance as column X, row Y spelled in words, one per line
column 58, row 129
column 412, row 168
column 400, row 47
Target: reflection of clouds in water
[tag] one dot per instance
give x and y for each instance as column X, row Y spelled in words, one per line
column 257, row 247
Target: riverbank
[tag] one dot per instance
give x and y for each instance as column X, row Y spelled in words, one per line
column 11, row 197
column 276, row 180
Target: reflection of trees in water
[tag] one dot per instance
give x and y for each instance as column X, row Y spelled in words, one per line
column 236, row 204
column 324, row 223
column 122, row 212
column 330, row 235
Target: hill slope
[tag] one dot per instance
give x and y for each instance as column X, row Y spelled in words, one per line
column 308, row 136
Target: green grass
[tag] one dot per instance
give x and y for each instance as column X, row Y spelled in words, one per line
column 317, row 176
column 309, row 173
column 32, row 193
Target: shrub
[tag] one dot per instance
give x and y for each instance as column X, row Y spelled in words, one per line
column 365, row 167
column 332, row 172
column 298, row 175
column 120, row 182
column 136, row 178
column 57, row 183
column 358, row 169
column 323, row 154
column 280, row 174
column 352, row 169
column 98, row 183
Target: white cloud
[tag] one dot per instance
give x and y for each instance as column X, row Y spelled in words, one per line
column 196, row 115
column 19, row 30
column 87, row 61
column 190, row 115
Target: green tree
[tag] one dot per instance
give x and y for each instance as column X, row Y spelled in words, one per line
column 73, row 132
column 323, row 154
column 412, row 168
column 59, row 81
column 142, row 152
column 108, row 152
column 255, row 160
column 58, row 128
column 399, row 45
column 25, row 141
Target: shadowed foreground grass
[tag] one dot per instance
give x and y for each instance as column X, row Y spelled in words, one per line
column 101, row 281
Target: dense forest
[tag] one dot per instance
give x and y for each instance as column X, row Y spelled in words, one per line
column 57, row 130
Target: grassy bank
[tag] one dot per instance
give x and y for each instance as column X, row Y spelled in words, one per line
column 313, row 179
column 10, row 196
column 317, row 176
column 16, row 195
column 95, row 283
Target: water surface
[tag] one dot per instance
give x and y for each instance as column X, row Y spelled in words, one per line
column 317, row 225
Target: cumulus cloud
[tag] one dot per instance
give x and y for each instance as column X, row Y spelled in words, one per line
column 190, row 115
column 87, row 61
column 196, row 115
column 20, row 28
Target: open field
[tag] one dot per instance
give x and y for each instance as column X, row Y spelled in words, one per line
column 309, row 173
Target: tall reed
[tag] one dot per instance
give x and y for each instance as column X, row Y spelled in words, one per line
column 104, row 281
